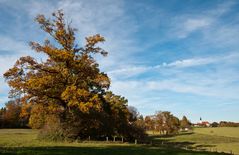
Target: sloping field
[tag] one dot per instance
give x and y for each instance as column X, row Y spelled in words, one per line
column 210, row 139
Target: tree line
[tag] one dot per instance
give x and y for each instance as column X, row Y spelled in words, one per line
column 225, row 124
column 162, row 121
column 10, row 116
column 166, row 123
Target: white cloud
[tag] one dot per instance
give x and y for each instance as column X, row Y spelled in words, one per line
column 130, row 71
column 10, row 51
column 218, row 83
column 193, row 24
column 203, row 61
column 10, row 46
column 186, row 24
column 135, row 90
column 190, row 62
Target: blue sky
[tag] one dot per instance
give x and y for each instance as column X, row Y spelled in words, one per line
column 180, row 56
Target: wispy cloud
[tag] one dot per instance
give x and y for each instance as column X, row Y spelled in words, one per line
column 10, row 46
column 207, row 19
column 129, row 71
column 192, row 24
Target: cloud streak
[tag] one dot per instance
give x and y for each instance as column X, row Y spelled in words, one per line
column 129, row 71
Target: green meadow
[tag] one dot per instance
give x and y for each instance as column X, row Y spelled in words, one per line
column 202, row 141
column 221, row 139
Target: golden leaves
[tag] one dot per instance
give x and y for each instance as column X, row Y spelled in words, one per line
column 92, row 40
column 40, row 19
column 103, row 80
column 80, row 98
column 12, row 72
column 70, row 77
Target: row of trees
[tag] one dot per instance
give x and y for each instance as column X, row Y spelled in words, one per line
column 163, row 121
column 10, row 116
column 225, row 124
column 166, row 123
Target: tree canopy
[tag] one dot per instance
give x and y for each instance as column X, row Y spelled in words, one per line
column 185, row 123
column 163, row 122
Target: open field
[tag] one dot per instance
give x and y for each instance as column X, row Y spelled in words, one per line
column 24, row 141
column 222, row 131
column 223, row 139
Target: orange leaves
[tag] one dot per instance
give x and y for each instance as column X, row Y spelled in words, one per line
column 40, row 19
column 38, row 115
column 12, row 72
column 103, row 80
column 38, row 82
column 57, row 28
column 68, row 82
column 28, row 60
column 92, row 40
column 59, row 55
column 26, row 107
column 81, row 99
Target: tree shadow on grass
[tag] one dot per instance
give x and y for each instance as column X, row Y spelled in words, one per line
column 107, row 150
column 162, row 141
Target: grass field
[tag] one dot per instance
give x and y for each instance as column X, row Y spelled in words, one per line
column 223, row 139
column 222, row 131
column 24, row 142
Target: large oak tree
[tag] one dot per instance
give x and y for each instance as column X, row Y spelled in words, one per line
column 68, row 86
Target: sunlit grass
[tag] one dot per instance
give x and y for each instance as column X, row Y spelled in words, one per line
column 222, row 131
column 211, row 139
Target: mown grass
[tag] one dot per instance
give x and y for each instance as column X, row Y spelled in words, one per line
column 209, row 139
column 25, row 142
column 221, row 131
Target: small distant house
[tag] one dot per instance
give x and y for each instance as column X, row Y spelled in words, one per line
column 207, row 124
column 202, row 124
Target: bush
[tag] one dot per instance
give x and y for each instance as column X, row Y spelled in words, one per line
column 52, row 130
column 37, row 117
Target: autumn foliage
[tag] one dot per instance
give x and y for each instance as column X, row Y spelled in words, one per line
column 67, row 92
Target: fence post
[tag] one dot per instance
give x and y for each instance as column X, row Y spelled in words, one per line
column 135, row 141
